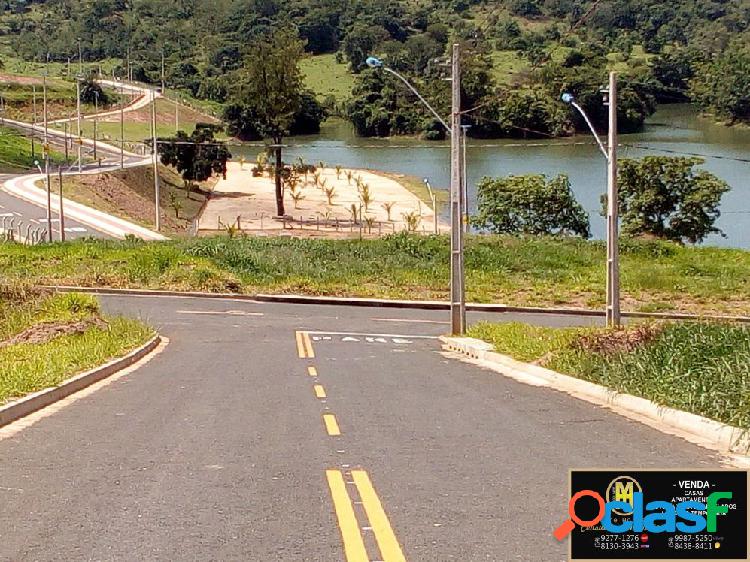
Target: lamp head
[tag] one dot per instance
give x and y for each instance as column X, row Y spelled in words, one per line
column 374, row 62
column 567, row 97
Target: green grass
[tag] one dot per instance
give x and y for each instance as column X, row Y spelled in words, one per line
column 16, row 154
column 533, row 271
column 506, row 65
column 703, row 368
column 326, row 77
column 137, row 125
column 27, row 367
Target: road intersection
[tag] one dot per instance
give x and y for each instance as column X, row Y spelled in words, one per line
column 269, row 431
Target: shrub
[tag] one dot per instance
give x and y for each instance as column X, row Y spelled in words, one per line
column 530, row 204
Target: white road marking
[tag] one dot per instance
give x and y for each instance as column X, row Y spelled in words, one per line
column 409, row 321
column 364, row 334
column 221, row 312
column 75, row 229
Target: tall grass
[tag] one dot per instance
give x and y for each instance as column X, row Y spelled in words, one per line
column 703, row 368
column 515, row 270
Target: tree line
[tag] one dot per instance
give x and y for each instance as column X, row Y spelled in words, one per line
column 694, row 50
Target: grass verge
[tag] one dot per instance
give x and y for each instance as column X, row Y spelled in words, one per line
column 46, row 339
column 702, row 368
column 527, row 271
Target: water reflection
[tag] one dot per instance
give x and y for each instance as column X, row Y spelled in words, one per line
column 674, row 128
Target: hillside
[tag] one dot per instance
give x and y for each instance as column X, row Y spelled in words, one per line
column 527, row 50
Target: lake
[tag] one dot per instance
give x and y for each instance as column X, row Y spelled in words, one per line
column 675, row 128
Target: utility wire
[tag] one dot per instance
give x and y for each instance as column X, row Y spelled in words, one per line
column 685, row 153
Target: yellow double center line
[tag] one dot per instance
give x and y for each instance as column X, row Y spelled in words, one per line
column 354, row 546
column 304, row 345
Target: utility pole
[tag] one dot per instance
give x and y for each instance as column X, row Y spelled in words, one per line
column 157, row 222
column 33, row 126
column 62, row 215
column 162, row 73
column 122, row 127
column 96, row 110
column 458, row 303
column 613, row 257
column 49, row 199
column 464, row 181
column 44, row 82
column 78, row 111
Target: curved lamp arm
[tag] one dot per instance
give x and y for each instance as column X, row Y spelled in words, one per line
column 374, row 62
column 568, row 98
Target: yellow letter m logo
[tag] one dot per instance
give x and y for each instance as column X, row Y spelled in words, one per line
column 624, row 492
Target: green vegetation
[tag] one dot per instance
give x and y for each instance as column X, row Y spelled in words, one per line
column 268, row 99
column 138, row 123
column 530, row 205
column 530, row 271
column 721, row 85
column 507, row 66
column 668, row 198
column 16, row 153
column 698, row 367
column 46, row 338
column 19, row 93
column 542, row 45
column 327, row 77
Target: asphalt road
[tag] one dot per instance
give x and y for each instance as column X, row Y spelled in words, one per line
column 26, row 213
column 236, row 443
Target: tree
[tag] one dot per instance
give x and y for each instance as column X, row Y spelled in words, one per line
column 668, row 198
column 267, row 93
column 530, row 204
column 197, row 156
column 92, row 93
column 723, row 85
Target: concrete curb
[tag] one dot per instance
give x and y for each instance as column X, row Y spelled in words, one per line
column 707, row 432
column 38, row 400
column 390, row 303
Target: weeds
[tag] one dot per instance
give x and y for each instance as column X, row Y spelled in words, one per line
column 699, row 367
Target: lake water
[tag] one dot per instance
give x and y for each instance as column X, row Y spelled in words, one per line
column 673, row 128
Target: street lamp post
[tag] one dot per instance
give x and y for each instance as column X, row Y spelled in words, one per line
column 610, row 154
column 45, row 173
column 458, row 296
column 434, row 204
column 80, row 57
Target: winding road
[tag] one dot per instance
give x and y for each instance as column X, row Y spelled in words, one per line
column 328, row 433
column 24, row 205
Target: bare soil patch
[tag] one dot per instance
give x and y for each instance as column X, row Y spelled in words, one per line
column 47, row 331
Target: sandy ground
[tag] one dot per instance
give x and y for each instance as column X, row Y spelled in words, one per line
column 252, row 200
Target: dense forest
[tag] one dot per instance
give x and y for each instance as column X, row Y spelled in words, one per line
column 520, row 55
